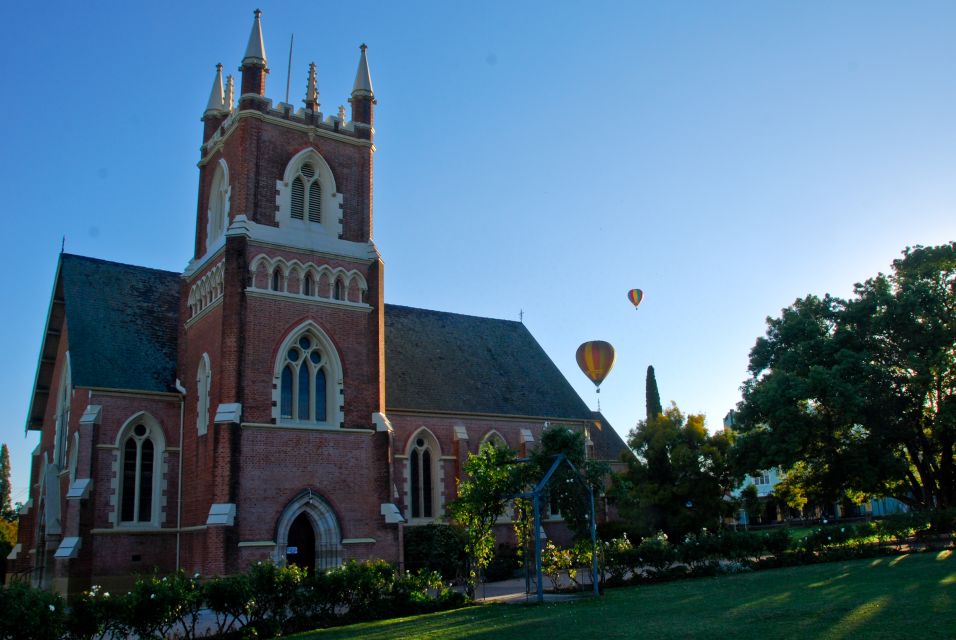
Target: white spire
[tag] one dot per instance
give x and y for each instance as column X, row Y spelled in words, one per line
column 363, row 79
column 312, row 90
column 255, row 50
column 216, row 98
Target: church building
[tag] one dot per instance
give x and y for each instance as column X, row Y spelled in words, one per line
column 265, row 403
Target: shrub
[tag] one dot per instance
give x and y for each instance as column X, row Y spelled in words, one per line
column 436, row 547
column 777, row 542
column 366, row 587
column 273, row 588
column 657, row 552
column 554, row 561
column 156, row 605
column 619, row 558
column 503, row 565
column 26, row 612
column 699, row 550
column 230, row 599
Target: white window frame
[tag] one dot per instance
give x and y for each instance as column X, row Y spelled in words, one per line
column 331, row 200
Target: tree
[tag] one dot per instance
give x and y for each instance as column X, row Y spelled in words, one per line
column 751, row 504
column 677, row 479
column 492, row 479
column 652, row 395
column 566, row 489
column 7, row 511
column 861, row 393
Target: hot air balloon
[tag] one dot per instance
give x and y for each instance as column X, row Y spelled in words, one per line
column 635, row 296
column 595, row 359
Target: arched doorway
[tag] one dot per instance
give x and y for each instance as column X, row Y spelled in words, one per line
column 308, row 527
column 300, row 549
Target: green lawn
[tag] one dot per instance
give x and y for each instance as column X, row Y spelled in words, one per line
column 912, row 596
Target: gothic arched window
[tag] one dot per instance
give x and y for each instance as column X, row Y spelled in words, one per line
column 140, row 456
column 308, row 285
column 423, row 458
column 303, row 384
column 218, row 211
column 203, row 383
column 306, row 195
column 277, row 279
column 63, row 397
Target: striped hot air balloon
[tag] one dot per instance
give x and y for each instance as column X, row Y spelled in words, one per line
column 596, row 359
column 635, row 296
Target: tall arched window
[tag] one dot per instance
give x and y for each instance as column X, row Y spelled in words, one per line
column 306, row 195
column 203, row 383
column 218, row 211
column 423, row 457
column 141, row 447
column 308, row 285
column 304, row 381
column 63, row 397
column 277, row 279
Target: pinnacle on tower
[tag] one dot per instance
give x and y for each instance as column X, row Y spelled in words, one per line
column 363, row 79
column 254, row 63
column 312, row 90
column 230, row 93
column 363, row 99
column 255, row 50
column 217, row 101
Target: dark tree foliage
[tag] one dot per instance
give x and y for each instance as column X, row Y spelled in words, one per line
column 676, row 481
column 565, row 488
column 7, row 512
column 653, row 396
column 860, row 394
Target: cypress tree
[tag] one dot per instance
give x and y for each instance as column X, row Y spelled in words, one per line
column 6, row 501
column 653, row 399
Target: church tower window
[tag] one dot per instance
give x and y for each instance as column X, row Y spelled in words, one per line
column 306, row 195
column 218, row 213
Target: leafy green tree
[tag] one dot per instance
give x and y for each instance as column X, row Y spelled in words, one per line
column 492, row 479
column 7, row 511
column 678, row 477
column 751, row 503
column 861, row 393
column 652, row 395
column 789, row 493
column 566, row 489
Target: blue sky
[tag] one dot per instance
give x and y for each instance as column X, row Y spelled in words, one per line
column 542, row 157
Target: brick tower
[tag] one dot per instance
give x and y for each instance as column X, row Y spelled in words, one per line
column 285, row 451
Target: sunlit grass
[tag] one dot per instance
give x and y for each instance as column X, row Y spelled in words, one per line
column 915, row 598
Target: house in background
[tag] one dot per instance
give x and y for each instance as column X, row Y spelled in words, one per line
column 766, row 480
column 265, row 403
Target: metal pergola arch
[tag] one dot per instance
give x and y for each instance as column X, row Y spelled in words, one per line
column 535, row 496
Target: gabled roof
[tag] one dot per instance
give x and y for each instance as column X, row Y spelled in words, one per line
column 608, row 443
column 452, row 363
column 122, row 323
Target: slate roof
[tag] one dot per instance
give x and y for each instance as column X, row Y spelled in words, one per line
column 122, row 322
column 608, row 443
column 452, row 363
